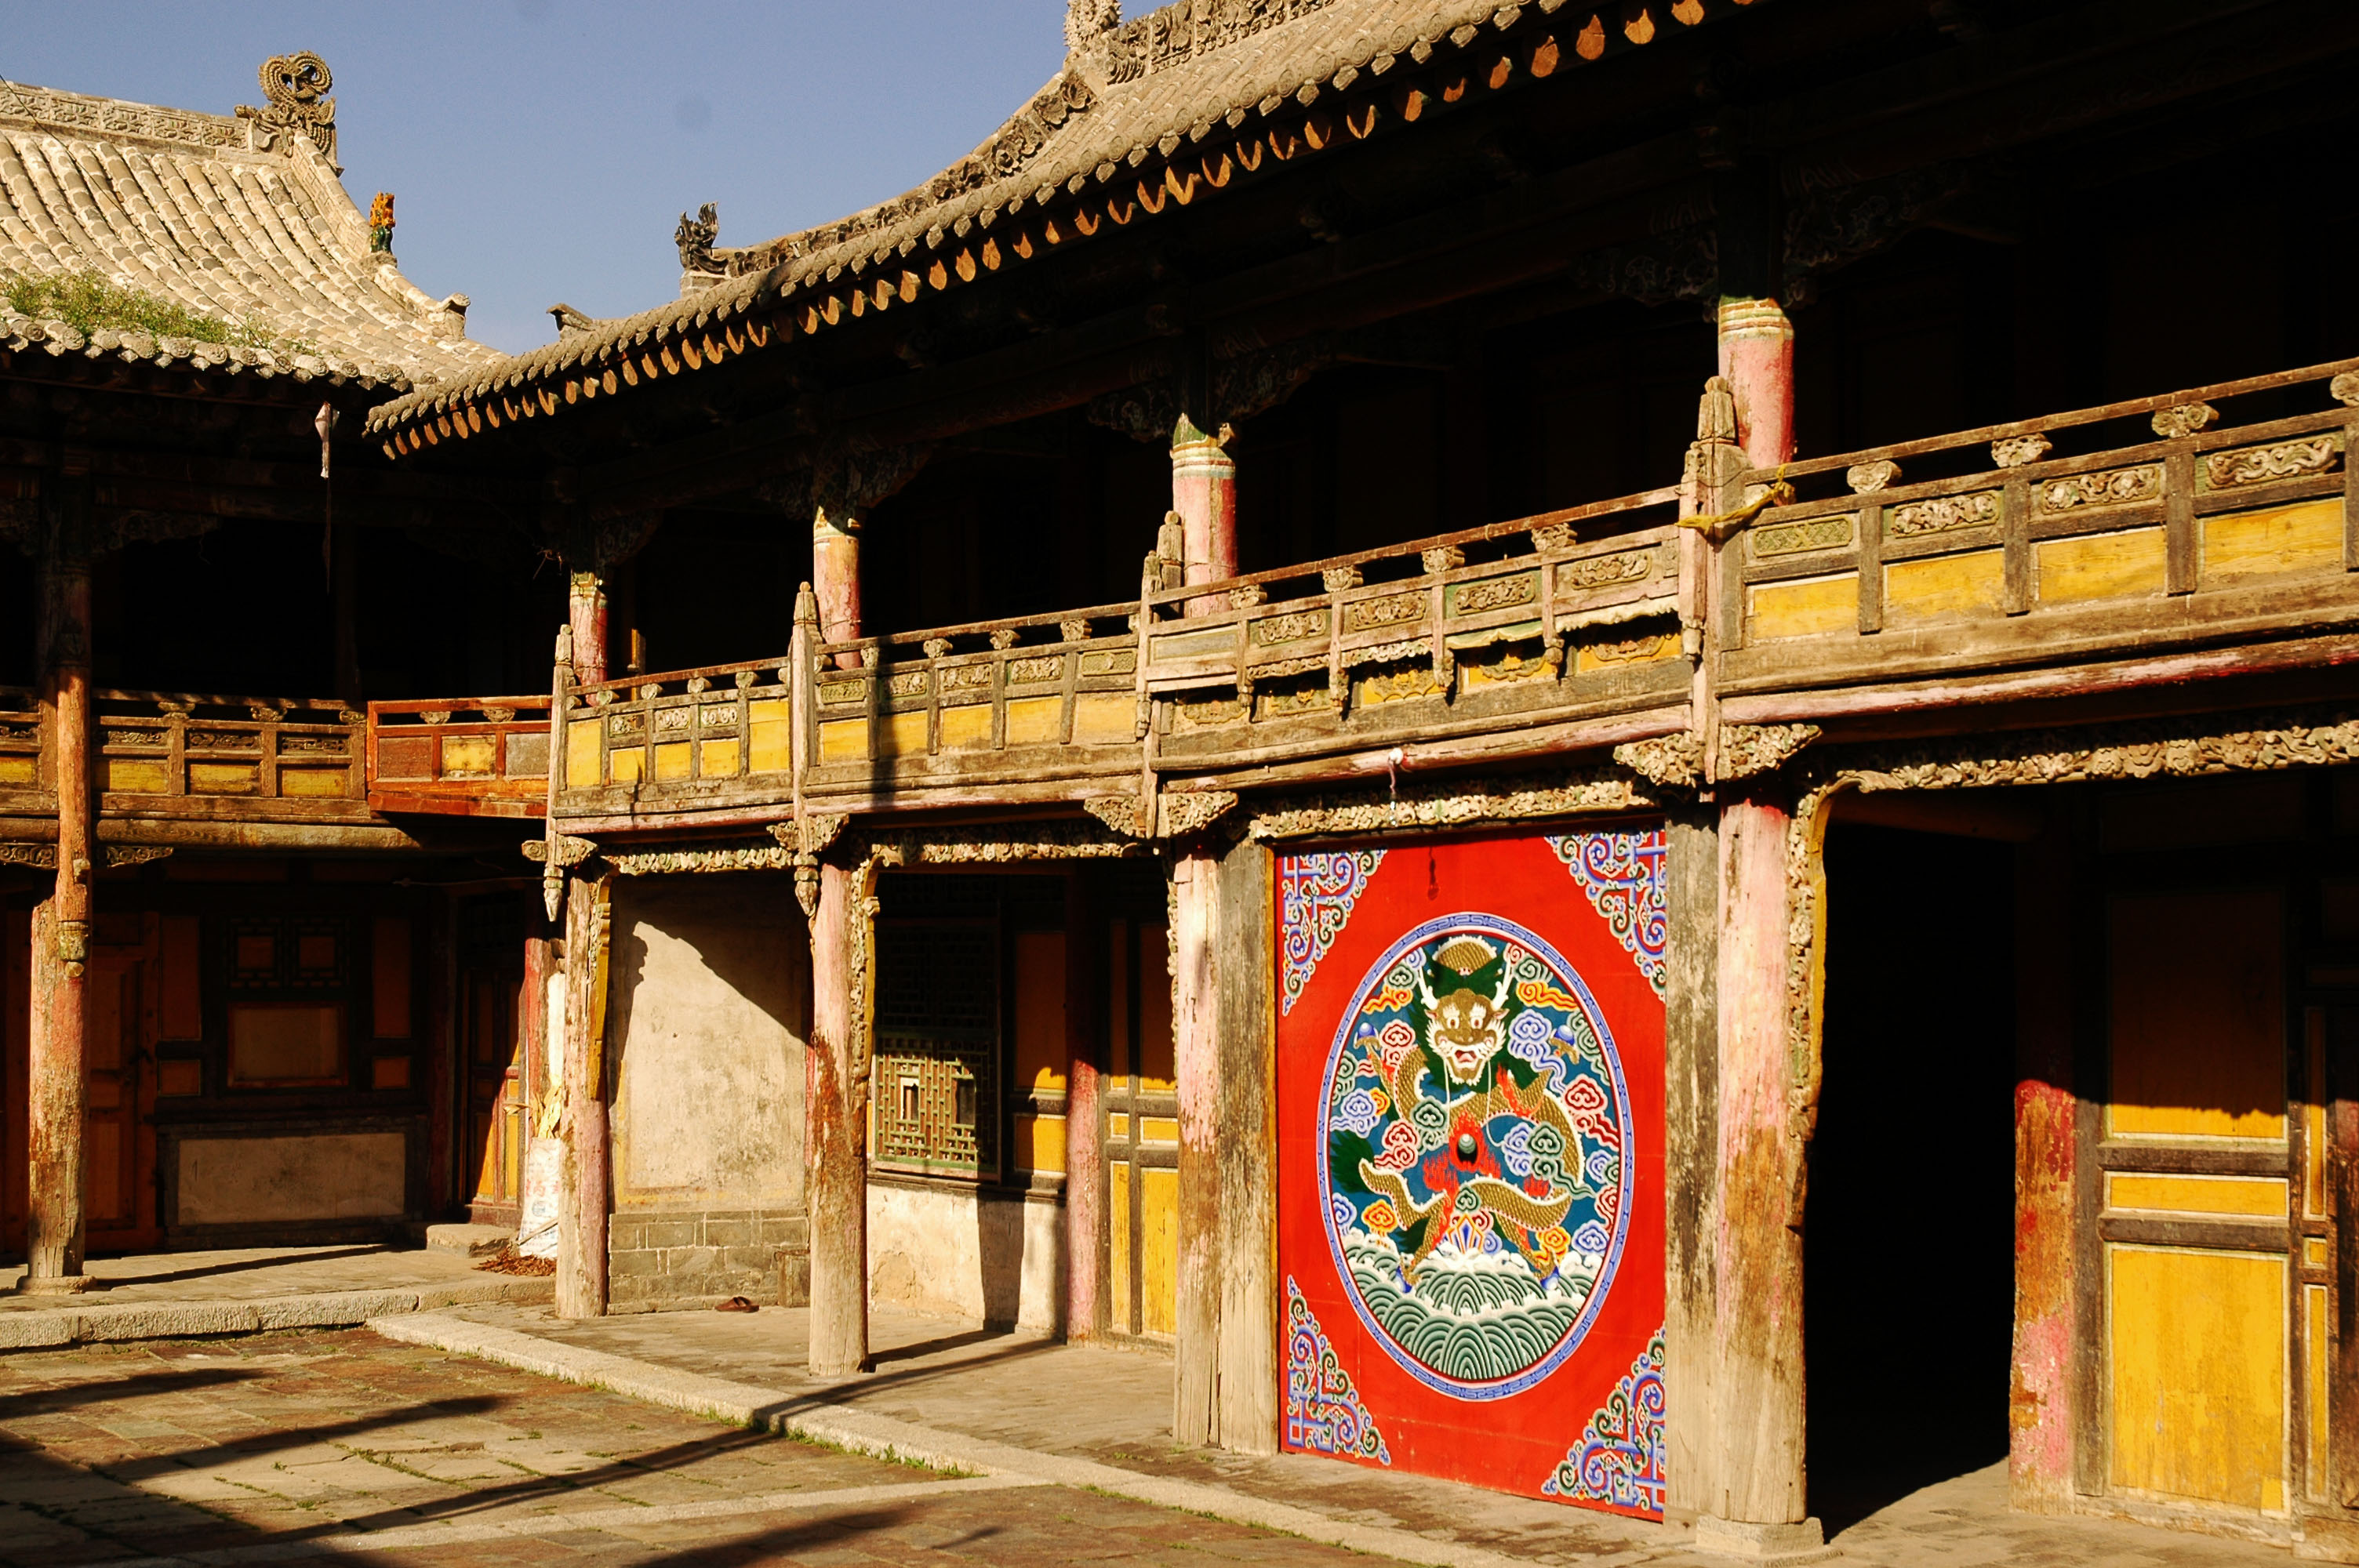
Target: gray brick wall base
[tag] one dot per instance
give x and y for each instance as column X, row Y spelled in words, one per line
column 693, row 1256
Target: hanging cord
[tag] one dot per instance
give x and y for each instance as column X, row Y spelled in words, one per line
column 1779, row 493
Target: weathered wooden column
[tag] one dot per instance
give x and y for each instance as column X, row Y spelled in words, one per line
column 1204, row 499
column 1756, row 359
column 836, row 1125
column 1225, row 1385
column 582, row 1216
column 56, row 1059
column 585, row 612
column 1087, row 1261
column 1753, row 1500
column 835, row 578
column 2041, row 1401
column 1690, row 1155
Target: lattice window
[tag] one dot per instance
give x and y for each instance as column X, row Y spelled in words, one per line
column 937, row 1099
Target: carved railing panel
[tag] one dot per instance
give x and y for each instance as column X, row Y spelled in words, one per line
column 260, row 758
column 481, row 756
column 998, row 701
column 720, row 733
column 2222, row 510
column 24, row 773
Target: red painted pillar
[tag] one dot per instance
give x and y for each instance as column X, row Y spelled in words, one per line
column 2040, row 1406
column 1754, row 1502
column 835, row 578
column 1205, row 494
column 585, row 607
column 56, row 1065
column 835, row 1122
column 1756, row 357
column 1086, row 1259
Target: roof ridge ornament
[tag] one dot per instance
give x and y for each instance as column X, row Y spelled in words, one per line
column 1087, row 21
column 296, row 86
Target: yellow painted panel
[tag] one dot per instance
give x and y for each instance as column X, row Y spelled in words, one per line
column 1117, row 1127
column 716, row 759
column 1811, row 607
column 966, row 728
column 2316, row 1400
column 2197, row 1347
column 18, row 770
column 1594, row 658
column 468, row 755
column 1034, row 720
column 1158, row 1252
column 1104, row 717
column 1943, row 585
column 137, row 775
column 1041, row 1050
column 2305, row 537
column 904, row 735
column 843, row 739
column 1158, row 1129
column 581, row 754
column 1118, row 1231
column 672, row 759
column 2315, row 1252
column 629, row 766
column 2261, row 1198
column 1040, row 1143
column 770, row 735
column 312, row 784
column 2101, row 566
column 224, row 778
column 2198, row 1015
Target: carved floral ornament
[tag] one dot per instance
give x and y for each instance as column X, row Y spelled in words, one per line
column 295, row 90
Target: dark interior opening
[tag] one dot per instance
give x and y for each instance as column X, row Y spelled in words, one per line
column 1908, row 1244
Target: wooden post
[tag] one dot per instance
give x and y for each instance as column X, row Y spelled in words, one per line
column 581, row 1213
column 586, row 613
column 56, row 1061
column 1087, row 1262
column 836, row 1126
column 1756, row 358
column 1225, row 1391
column 1205, row 497
column 1755, row 1502
column 2041, row 1417
column 1690, row 1156
column 835, row 577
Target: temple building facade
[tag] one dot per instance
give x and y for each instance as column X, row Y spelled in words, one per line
column 1606, row 750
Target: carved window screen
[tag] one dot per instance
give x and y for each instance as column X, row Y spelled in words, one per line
column 938, row 1025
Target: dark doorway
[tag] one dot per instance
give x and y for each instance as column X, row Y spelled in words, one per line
column 1908, row 1244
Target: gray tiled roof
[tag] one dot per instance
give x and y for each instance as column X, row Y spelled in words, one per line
column 1173, row 86
column 218, row 215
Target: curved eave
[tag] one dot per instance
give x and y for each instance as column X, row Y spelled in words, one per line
column 19, row 334
column 1067, row 200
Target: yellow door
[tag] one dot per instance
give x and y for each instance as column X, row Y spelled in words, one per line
column 2195, row 1166
column 496, row 1092
column 1142, row 1136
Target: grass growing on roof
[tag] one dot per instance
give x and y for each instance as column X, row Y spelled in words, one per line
column 88, row 300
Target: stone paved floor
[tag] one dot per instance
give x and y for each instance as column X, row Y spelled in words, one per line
column 249, row 1274
column 1115, row 1407
column 292, row 1445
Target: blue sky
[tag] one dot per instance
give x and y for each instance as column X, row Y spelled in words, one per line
column 542, row 150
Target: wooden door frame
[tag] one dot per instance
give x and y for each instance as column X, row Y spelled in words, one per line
column 143, row 1188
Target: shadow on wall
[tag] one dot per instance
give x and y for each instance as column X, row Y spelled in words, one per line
column 961, row 1253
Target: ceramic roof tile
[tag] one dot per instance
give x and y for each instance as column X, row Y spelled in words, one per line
column 241, row 219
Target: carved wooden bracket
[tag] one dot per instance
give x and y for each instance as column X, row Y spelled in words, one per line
column 135, row 854
column 808, row 839
column 1746, row 750
column 1118, row 812
column 1671, row 761
column 554, row 854
column 42, row 857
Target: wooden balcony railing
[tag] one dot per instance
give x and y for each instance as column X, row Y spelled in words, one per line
column 163, row 753
column 479, row 756
column 1569, row 614
column 680, row 739
column 24, row 780
column 2076, row 536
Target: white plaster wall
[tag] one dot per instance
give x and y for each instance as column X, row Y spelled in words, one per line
column 954, row 1251
column 245, row 1181
column 711, row 979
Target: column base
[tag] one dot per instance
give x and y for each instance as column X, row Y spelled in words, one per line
column 56, row 1284
column 1770, row 1543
